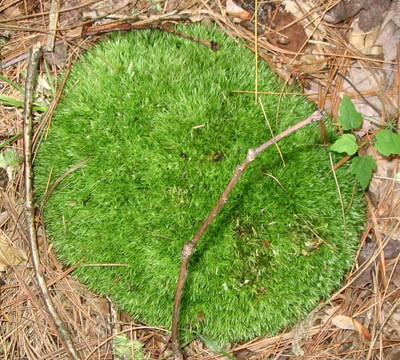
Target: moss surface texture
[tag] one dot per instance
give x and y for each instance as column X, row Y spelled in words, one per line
column 158, row 120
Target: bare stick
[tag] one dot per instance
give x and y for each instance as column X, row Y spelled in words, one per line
column 30, row 205
column 190, row 247
column 53, row 21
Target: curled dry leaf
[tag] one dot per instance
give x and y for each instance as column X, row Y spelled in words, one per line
column 236, row 11
column 10, row 255
column 348, row 323
column 288, row 34
column 75, row 32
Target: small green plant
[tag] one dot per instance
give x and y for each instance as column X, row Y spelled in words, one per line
column 387, row 142
column 9, row 158
column 9, row 161
column 125, row 349
column 156, row 5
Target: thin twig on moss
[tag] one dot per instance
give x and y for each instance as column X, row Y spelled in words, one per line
column 190, row 247
column 63, row 333
column 59, row 180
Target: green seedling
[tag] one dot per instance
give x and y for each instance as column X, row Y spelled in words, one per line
column 125, row 349
column 9, row 158
column 387, row 142
column 9, row 161
column 50, row 80
column 162, row 126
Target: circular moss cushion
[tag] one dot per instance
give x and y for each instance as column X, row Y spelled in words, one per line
column 162, row 122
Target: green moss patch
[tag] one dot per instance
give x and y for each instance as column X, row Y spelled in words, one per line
column 159, row 122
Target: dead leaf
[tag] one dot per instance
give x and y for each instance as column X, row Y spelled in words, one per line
column 288, row 34
column 391, row 312
column 12, row 12
column 73, row 33
column 342, row 11
column 10, row 255
column 348, row 323
column 236, row 11
column 242, row 354
column 369, row 13
column 305, row 13
column 58, row 56
column 389, row 37
column 178, row 5
column 393, row 272
column 310, row 64
column 364, row 41
column 3, row 178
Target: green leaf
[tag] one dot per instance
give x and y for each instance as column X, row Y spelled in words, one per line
column 362, row 168
column 387, row 142
column 345, row 144
column 349, row 117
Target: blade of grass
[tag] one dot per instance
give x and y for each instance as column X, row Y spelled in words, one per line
column 12, row 83
column 10, row 140
column 50, row 79
column 6, row 100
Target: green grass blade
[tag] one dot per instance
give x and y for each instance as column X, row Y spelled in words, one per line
column 6, row 100
column 12, row 83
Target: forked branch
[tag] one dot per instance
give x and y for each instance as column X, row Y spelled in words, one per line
column 190, row 247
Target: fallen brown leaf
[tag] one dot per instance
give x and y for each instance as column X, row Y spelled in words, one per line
column 348, row 323
column 288, row 34
column 236, row 11
column 10, row 255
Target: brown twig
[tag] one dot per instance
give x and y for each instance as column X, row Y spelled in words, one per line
column 208, row 43
column 190, row 247
column 138, row 22
column 53, row 21
column 30, row 205
column 59, row 180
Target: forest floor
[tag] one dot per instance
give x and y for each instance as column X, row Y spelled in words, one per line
column 329, row 48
